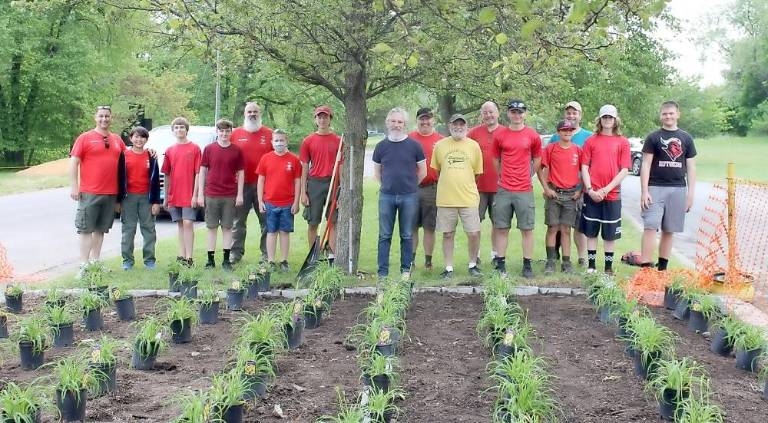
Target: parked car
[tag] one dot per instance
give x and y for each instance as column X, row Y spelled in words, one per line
column 161, row 137
column 636, row 154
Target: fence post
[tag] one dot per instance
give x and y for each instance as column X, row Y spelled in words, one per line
column 731, row 276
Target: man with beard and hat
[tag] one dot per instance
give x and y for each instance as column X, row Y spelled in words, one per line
column 254, row 140
column 426, row 135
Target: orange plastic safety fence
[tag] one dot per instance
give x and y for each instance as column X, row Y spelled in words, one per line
column 6, row 270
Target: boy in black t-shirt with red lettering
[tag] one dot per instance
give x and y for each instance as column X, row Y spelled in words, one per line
column 668, row 161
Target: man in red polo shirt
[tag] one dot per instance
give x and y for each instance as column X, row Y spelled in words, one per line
column 426, row 135
column 317, row 155
column 254, row 140
column 94, row 184
column 488, row 181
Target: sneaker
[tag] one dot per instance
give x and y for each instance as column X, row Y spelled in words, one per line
column 127, row 265
column 405, row 276
column 284, row 266
column 189, row 262
column 181, row 259
column 226, row 265
column 591, row 270
column 428, row 265
column 566, row 267
column 475, row 272
column 446, row 274
column 527, row 273
column 150, row 265
column 549, row 267
column 494, row 261
column 272, row 267
column 210, row 265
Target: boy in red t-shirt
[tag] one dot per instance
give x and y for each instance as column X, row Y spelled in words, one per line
column 181, row 167
column 221, row 189
column 279, row 187
column 605, row 163
column 560, row 163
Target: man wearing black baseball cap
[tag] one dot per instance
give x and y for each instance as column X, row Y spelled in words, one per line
column 426, row 135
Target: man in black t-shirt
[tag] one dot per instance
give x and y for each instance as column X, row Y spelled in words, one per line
column 668, row 159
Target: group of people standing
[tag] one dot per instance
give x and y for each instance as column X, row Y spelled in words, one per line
column 430, row 182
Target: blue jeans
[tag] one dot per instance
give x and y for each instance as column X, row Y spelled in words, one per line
column 406, row 207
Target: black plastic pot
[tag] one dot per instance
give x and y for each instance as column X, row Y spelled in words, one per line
column 380, row 382
column 621, row 332
column 235, row 299
column 263, row 282
column 630, row 351
column 386, row 350
column 126, row 309
column 173, row 284
column 14, row 304
column 295, row 334
column 107, row 378
column 30, row 359
column 181, row 331
column 255, row 386
column 643, row 369
column 142, row 363
column 604, row 314
column 209, row 313
column 312, row 317
column 668, row 404
column 3, row 327
column 63, row 335
column 698, row 323
column 765, row 390
column 670, row 298
column 71, row 405
column 92, row 320
column 252, row 291
column 501, row 351
column 189, row 290
column 682, row 310
column 720, row 344
column 747, row 359
column 232, row 414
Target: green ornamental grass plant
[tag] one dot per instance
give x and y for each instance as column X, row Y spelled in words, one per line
column 208, row 296
column 21, row 404
column 54, row 296
column 650, row 339
column 679, row 375
column 149, row 339
column 103, row 350
column 58, row 315
column 382, row 404
column 262, row 333
column 349, row 412
column 700, row 411
column 89, row 301
column 33, row 329
column 179, row 309
column 195, row 407
column 749, row 338
column 227, row 390
column 706, row 305
column 525, row 399
column 73, row 375
column 174, row 267
column 189, row 275
column 731, row 325
column 13, row 290
column 95, row 275
column 378, row 365
column 254, row 363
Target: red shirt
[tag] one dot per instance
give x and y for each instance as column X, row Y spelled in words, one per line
column 606, row 155
column 137, row 171
column 515, row 150
column 253, row 145
column 223, row 163
column 280, row 175
column 563, row 164
column 181, row 165
column 319, row 152
column 488, row 181
column 427, row 144
column 98, row 164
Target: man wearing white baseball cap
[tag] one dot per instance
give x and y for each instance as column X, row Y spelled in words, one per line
column 605, row 163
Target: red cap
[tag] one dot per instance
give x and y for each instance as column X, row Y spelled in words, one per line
column 323, row 109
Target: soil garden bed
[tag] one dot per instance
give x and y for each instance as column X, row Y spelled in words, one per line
column 443, row 366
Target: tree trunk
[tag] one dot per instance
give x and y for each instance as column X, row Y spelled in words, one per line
column 351, row 194
column 14, row 157
column 446, row 105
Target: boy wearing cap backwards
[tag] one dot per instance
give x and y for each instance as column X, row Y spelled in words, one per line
column 514, row 149
column 181, row 167
column 668, row 157
column 139, row 197
column 426, row 135
column 279, row 183
column 221, row 190
column 458, row 160
column 605, row 163
column 560, row 165
column 318, row 154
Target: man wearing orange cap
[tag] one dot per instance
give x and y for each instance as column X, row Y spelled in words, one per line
column 317, row 155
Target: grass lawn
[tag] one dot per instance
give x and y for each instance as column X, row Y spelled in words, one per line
column 373, row 140
column 747, row 153
column 166, row 251
column 12, row 183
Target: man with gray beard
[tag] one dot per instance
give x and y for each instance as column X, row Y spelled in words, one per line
column 254, row 140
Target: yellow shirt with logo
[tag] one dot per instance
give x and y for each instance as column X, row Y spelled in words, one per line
column 458, row 163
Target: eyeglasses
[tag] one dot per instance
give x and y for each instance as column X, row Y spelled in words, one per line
column 104, row 108
column 106, row 142
column 607, row 117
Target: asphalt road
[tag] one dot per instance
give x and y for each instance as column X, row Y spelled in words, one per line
column 37, row 230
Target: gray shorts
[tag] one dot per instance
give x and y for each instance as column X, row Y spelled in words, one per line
column 507, row 204
column 219, row 211
column 95, row 213
column 317, row 191
column 486, row 204
column 427, row 217
column 182, row 213
column 563, row 210
column 667, row 210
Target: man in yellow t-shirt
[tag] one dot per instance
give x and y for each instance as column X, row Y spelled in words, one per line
column 458, row 160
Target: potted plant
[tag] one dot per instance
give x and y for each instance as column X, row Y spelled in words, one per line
column 103, row 359
column 62, row 322
column 188, row 279
column 607, row 300
column 22, row 404
column 524, row 397
column 226, row 397
column 313, row 309
column 174, row 268
column 327, row 282
column 349, row 412
column 209, row 306
column 91, row 304
column 148, row 343
column 497, row 317
column 263, row 333
column 725, row 331
column 672, row 291
column 381, row 405
column 95, row 279
column 33, row 339
column 54, row 298
column 685, row 299
column 3, row 324
column 749, row 344
column 235, row 295
column 195, row 407
column 672, row 382
column 622, row 312
column 699, row 411
column 292, row 319
column 249, row 277
column 378, row 371
column 264, row 277
column 126, row 309
column 13, row 298
column 73, row 379
column 255, row 369
column 515, row 340
column 180, row 315
column 704, row 308
column 650, row 342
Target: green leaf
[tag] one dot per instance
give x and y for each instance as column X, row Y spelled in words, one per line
column 487, row 15
column 381, row 48
column 413, row 60
column 496, row 64
column 501, row 38
column 529, row 28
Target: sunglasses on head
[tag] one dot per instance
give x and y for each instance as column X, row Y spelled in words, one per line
column 104, row 108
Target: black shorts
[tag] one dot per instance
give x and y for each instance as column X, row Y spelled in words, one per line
column 601, row 218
